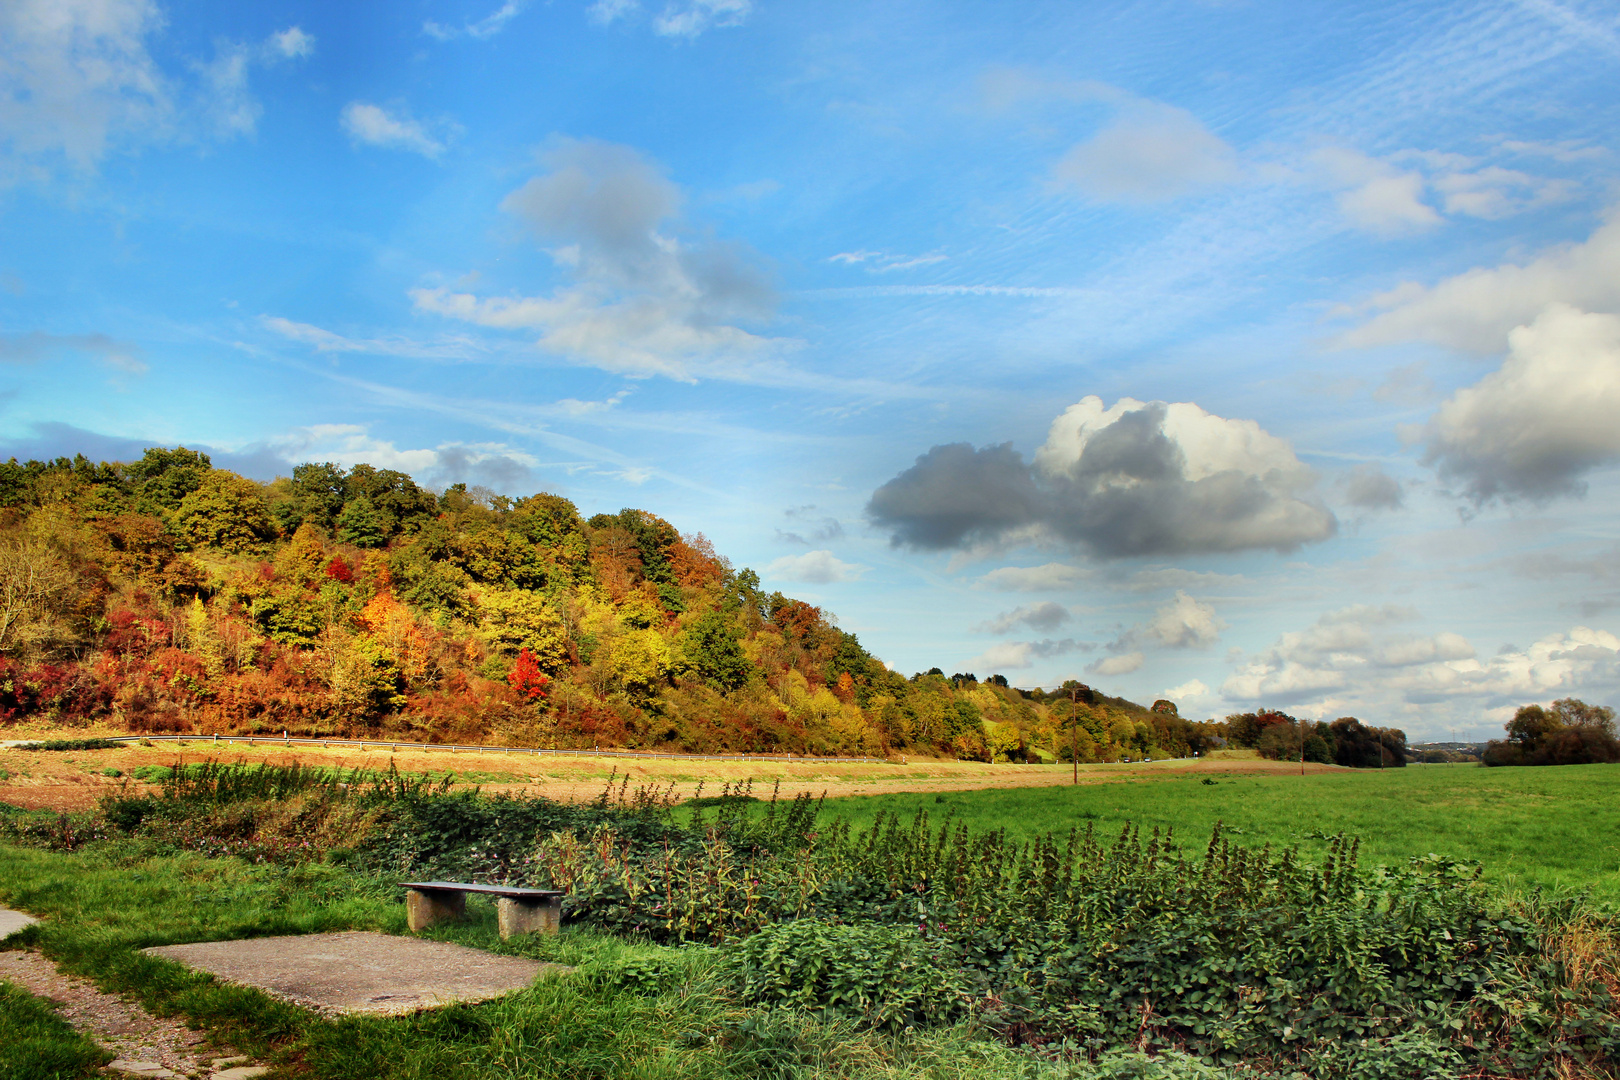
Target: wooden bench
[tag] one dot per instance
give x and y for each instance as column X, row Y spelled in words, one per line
column 518, row 911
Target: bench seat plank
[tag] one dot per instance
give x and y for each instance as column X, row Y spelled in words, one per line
column 498, row 890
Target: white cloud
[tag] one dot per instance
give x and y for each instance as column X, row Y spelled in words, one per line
column 1533, row 428
column 1374, row 194
column 1138, row 478
column 1395, row 195
column 1051, row 576
column 678, row 18
column 1189, row 691
column 326, row 341
column 1184, row 623
column 1566, row 152
column 290, row 44
column 1474, row 311
column 495, row 465
column 1355, row 662
column 1117, row 665
column 487, row 27
column 230, row 107
column 75, row 80
column 1494, row 192
column 1173, row 577
column 883, row 262
column 1227, row 484
column 376, row 126
column 643, row 301
column 814, row 568
column 1151, row 152
column 1019, row 655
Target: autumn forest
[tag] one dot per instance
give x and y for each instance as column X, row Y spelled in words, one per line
column 164, row 595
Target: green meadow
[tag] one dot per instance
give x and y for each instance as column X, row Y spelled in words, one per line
column 1556, row 827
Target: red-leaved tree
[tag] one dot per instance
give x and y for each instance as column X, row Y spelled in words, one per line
column 527, row 678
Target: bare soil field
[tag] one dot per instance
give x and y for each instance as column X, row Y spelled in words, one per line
column 76, row 779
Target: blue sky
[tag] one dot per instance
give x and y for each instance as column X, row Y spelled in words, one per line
column 1241, row 353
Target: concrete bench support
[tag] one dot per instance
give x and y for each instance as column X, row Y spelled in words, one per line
column 423, row 909
column 518, row 911
column 517, row 916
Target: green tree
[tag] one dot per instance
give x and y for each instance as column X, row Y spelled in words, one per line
column 710, row 647
column 360, row 523
column 163, row 478
column 320, row 491
column 226, row 512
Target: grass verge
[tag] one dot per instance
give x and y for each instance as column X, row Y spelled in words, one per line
column 37, row 1044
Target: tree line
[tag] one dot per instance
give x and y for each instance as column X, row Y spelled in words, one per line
column 164, row 594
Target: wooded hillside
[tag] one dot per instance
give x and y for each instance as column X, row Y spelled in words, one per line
column 166, row 595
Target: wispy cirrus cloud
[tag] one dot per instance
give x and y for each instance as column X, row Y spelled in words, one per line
column 479, row 30
column 677, row 18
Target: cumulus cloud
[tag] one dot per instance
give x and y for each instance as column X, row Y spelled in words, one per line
column 290, row 44
column 1184, row 623
column 397, row 130
column 643, row 301
column 1044, row 617
column 1357, row 660
column 1189, row 691
column 28, row 348
column 1137, row 478
column 1123, row 664
column 1368, row 487
column 1345, row 647
column 1533, row 428
column 1474, row 311
column 1150, row 152
column 1018, row 655
column 814, row 568
column 679, row 18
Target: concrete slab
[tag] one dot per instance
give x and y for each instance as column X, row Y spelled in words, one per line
column 13, row 921
column 359, row 971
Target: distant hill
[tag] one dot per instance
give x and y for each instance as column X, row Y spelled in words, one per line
column 166, row 595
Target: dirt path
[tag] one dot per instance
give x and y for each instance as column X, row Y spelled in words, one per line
column 145, row 1045
column 76, row 780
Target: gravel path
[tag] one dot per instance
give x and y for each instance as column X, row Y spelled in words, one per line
column 146, row 1045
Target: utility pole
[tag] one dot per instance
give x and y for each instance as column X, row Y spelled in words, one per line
column 1302, row 748
column 1074, row 724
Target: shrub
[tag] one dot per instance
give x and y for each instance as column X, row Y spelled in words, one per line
column 886, row 977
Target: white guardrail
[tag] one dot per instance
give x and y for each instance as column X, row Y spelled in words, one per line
column 361, row 744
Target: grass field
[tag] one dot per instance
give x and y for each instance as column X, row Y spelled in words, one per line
column 100, row 907
column 1556, row 826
